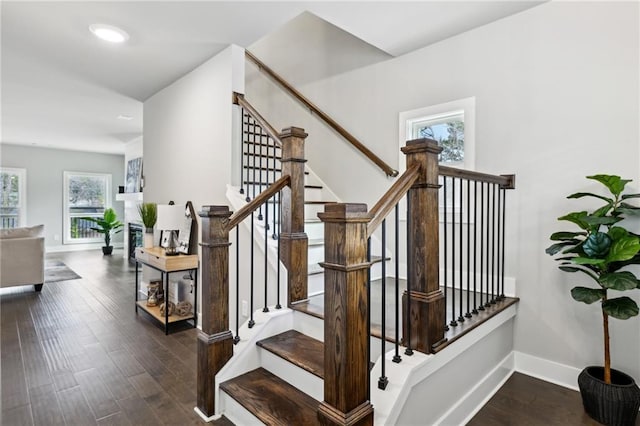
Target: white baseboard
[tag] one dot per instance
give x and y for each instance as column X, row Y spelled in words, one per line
column 549, row 371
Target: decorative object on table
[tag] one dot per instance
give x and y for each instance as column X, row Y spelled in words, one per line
column 183, row 308
column 172, row 308
column 134, row 175
column 600, row 250
column 108, row 224
column 170, row 220
column 188, row 232
column 149, row 216
column 155, row 293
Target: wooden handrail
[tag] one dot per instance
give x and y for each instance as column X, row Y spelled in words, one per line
column 505, row 181
column 262, row 198
column 324, row 116
column 392, row 197
column 238, row 99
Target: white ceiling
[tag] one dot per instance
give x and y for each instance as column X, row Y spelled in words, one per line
column 63, row 88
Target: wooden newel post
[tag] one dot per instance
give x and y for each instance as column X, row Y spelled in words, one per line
column 215, row 342
column 426, row 302
column 293, row 239
column 346, row 363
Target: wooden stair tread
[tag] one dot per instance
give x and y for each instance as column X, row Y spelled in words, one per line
column 297, row 348
column 272, row 400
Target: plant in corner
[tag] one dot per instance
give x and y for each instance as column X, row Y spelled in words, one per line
column 108, row 224
column 601, row 249
column 149, row 215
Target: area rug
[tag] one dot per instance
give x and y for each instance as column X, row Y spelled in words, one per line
column 55, row 271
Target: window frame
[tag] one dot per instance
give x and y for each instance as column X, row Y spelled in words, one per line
column 66, row 220
column 22, row 192
column 466, row 107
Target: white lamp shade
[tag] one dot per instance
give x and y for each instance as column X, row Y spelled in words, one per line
column 170, row 217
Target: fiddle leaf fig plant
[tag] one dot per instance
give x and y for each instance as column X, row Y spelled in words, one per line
column 600, row 249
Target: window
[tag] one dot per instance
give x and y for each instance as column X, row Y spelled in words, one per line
column 452, row 124
column 85, row 195
column 13, row 198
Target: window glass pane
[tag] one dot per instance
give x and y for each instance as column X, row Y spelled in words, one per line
column 87, row 196
column 10, row 199
column 449, row 134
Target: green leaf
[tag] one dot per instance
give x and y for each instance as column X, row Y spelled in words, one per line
column 588, row 261
column 623, row 249
column 617, row 233
column 564, row 236
column 589, row 194
column 555, row 248
column 619, row 281
column 620, row 307
column 587, row 295
column 602, row 211
column 597, row 244
column 628, row 209
column 615, row 184
column 597, row 220
column 577, row 218
column 627, row 196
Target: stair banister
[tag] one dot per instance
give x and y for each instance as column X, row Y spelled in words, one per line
column 254, row 204
column 293, row 239
column 346, row 363
column 239, row 99
column 423, row 301
column 215, row 341
column 389, row 171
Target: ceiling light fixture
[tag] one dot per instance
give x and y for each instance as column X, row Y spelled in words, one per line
column 109, row 33
column 125, row 117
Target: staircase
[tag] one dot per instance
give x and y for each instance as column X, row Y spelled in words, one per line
column 317, row 363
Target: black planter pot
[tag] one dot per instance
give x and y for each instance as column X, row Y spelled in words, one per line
column 616, row 404
column 107, row 250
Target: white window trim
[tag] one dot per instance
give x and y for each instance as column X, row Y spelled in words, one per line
column 65, row 205
column 22, row 190
column 467, row 106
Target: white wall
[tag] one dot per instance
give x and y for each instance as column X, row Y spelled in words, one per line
column 45, row 184
column 188, row 134
column 556, row 92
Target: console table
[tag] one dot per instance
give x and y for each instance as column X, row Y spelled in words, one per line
column 155, row 258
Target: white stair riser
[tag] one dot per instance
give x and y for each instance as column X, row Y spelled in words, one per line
column 236, row 413
column 314, row 230
column 308, row 383
column 309, row 325
column 315, row 284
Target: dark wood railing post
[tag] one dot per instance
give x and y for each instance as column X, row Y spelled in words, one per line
column 346, row 363
column 293, row 239
column 215, row 342
column 427, row 308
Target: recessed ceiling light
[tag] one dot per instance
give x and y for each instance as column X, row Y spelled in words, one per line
column 125, row 117
column 109, row 33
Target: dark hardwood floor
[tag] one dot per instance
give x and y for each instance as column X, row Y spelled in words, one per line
column 77, row 354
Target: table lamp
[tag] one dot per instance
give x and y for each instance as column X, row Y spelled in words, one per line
column 170, row 220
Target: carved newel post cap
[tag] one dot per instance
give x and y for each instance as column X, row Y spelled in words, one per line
column 295, row 132
column 350, row 212
column 421, row 145
column 210, row 211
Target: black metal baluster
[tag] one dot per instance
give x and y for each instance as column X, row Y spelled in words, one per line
column 266, row 257
column 504, row 231
column 251, row 321
column 446, row 241
column 498, row 248
column 487, row 264
column 493, row 246
column 383, row 381
column 241, row 149
column 468, row 314
column 237, row 338
column 408, row 351
column 475, row 246
column 276, row 196
column 396, row 356
column 460, row 249
column 481, row 306
column 278, row 305
column 453, row 322
column 260, row 170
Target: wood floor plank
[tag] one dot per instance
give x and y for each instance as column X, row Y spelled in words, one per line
column 126, row 363
column 17, row 416
column 45, row 406
column 117, row 419
column 75, row 409
column 96, row 393
column 138, row 411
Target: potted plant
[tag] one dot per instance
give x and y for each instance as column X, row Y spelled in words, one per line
column 149, row 215
column 107, row 225
column 601, row 250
